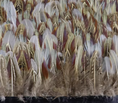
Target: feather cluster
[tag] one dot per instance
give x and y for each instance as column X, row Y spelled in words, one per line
column 58, row 47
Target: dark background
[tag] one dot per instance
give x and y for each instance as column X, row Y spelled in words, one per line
column 90, row 99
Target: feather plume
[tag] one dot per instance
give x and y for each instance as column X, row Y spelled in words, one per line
column 58, row 47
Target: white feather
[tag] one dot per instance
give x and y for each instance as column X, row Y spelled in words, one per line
column 115, row 43
column 34, row 66
column 89, row 47
column 3, row 53
column 36, row 12
column 98, row 48
column 63, row 4
column 72, row 1
column 77, row 14
column 108, row 67
column 102, row 38
column 29, row 27
column 0, row 31
column 108, row 27
column 11, row 12
column 9, row 38
column 49, row 9
column 49, row 23
column 48, row 39
column 113, row 7
column 34, row 39
column 114, row 57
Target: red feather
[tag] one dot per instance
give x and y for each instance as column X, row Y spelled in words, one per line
column 104, row 31
column 86, row 21
column 116, row 5
column 65, row 38
column 9, row 69
column 17, row 22
column 44, row 46
column 54, row 46
column 44, row 69
column 73, row 45
column 40, row 40
column 49, row 62
column 73, row 59
column 0, row 43
column 58, row 64
column 47, row 15
column 28, row 61
column 7, row 49
column 103, row 49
